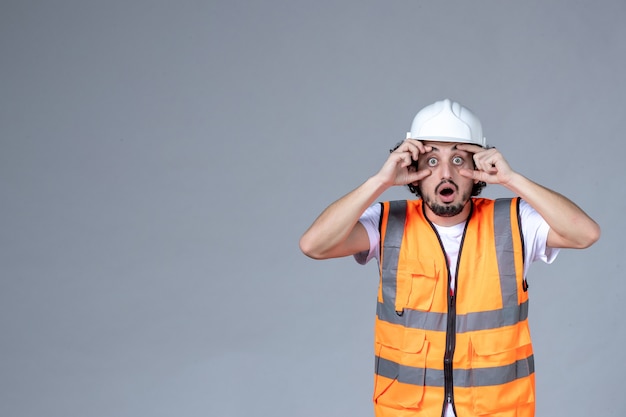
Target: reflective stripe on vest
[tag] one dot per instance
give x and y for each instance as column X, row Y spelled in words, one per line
column 391, row 252
column 470, row 322
column 462, row 377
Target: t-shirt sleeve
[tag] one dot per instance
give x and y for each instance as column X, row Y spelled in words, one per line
column 535, row 231
column 370, row 219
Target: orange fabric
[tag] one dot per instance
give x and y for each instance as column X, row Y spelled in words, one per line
column 422, row 285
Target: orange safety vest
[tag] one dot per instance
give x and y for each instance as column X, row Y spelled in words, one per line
column 471, row 348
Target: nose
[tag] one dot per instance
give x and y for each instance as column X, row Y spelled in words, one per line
column 445, row 170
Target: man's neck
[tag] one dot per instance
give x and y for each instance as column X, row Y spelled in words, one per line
column 449, row 221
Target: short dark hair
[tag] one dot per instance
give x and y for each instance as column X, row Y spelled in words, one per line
column 476, row 189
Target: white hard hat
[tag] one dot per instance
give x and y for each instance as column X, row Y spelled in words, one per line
column 447, row 121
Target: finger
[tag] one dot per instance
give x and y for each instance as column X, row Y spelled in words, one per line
column 470, row 173
column 488, row 177
column 468, row 147
column 418, row 175
column 486, row 168
column 408, row 148
column 486, row 161
column 421, row 146
column 407, row 160
column 414, row 145
column 403, row 152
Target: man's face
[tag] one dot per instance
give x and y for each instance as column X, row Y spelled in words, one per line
column 445, row 191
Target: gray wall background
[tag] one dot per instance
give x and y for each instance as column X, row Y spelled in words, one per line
column 159, row 161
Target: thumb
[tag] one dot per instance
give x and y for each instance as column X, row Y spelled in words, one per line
column 471, row 173
column 415, row 176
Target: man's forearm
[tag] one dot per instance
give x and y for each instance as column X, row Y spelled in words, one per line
column 331, row 234
column 571, row 226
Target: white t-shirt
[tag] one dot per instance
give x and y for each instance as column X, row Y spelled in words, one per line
column 534, row 229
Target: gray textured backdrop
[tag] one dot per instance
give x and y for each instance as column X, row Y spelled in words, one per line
column 159, row 161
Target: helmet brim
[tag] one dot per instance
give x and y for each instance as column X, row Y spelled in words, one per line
column 483, row 143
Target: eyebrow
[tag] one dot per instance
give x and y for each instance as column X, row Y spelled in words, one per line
column 434, row 148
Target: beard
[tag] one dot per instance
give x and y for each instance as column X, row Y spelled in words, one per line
column 446, row 209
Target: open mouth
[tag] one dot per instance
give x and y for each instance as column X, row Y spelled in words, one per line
column 447, row 192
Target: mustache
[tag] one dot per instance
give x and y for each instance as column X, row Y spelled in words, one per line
column 443, row 184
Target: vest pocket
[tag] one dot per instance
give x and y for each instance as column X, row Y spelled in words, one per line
column 502, row 370
column 417, row 282
column 400, row 374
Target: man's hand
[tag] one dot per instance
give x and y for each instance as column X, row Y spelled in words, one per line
column 491, row 167
column 397, row 170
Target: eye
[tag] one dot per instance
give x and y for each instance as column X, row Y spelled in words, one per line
column 432, row 162
column 457, row 160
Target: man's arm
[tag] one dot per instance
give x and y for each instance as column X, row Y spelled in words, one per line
column 337, row 231
column 570, row 226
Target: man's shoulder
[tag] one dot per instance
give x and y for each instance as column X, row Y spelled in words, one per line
column 399, row 206
column 485, row 202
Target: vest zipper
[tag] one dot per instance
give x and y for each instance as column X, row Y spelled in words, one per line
column 449, row 354
column 451, row 319
column 450, row 333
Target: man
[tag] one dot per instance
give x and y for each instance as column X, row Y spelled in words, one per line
column 451, row 335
